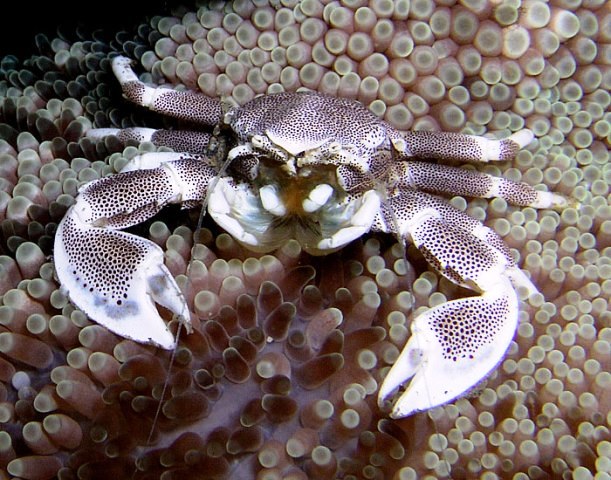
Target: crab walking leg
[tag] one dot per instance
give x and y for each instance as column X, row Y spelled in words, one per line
column 444, row 179
column 178, row 140
column 150, row 160
column 116, row 277
column 458, row 146
column 456, row 344
column 186, row 105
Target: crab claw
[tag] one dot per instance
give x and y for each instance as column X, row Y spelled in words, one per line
column 116, row 278
column 453, row 347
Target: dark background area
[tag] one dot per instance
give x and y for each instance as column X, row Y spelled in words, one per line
column 21, row 20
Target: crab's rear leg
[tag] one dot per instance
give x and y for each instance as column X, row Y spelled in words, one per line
column 458, row 146
column 116, row 277
column 186, row 105
column 456, row 344
column 435, row 178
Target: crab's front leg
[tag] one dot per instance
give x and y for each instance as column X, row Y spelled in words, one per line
column 116, row 277
column 456, row 344
column 178, row 140
column 186, row 105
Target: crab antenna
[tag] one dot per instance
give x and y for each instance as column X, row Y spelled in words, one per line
column 411, row 278
column 383, row 192
column 196, row 235
column 166, row 384
column 219, row 152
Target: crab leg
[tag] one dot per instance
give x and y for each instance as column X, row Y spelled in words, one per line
column 177, row 140
column 151, row 160
column 456, row 344
column 185, row 105
column 116, row 277
column 458, row 146
column 436, row 178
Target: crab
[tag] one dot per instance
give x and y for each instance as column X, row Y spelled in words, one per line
column 321, row 170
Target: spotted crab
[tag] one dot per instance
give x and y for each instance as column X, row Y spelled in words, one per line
column 321, row 170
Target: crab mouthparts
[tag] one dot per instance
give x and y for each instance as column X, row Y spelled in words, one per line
column 309, row 207
column 297, row 199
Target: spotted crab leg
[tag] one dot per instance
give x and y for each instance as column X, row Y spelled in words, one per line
column 436, row 178
column 178, row 140
column 454, row 345
column 458, row 146
column 116, row 277
column 185, row 105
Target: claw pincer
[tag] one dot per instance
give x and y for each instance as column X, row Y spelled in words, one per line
column 116, row 277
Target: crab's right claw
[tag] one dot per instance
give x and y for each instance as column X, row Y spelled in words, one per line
column 116, row 278
column 452, row 348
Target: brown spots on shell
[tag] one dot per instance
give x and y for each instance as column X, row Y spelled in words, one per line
column 422, row 143
column 516, row 195
column 133, row 91
column 468, row 329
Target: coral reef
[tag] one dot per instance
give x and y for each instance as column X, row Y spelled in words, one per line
column 279, row 379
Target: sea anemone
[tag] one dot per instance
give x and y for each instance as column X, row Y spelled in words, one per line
column 280, row 377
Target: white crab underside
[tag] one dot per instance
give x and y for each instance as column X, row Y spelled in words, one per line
column 259, row 219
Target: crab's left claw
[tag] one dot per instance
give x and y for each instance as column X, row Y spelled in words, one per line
column 453, row 347
column 456, row 344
